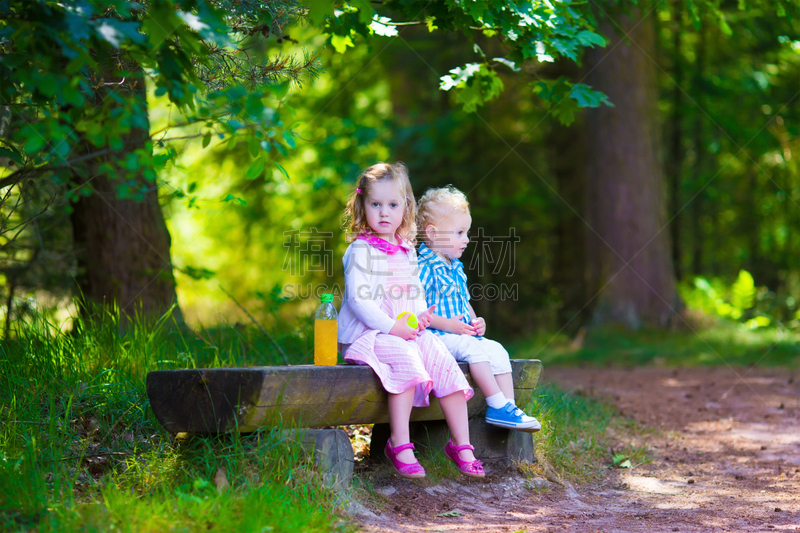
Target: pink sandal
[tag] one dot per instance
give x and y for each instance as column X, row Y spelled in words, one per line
column 468, row 468
column 407, row 470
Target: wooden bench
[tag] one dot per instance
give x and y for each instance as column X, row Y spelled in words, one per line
column 222, row 400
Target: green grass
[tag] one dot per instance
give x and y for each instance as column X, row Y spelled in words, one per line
column 726, row 343
column 81, row 451
column 581, row 437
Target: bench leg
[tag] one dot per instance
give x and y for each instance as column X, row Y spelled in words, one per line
column 332, row 453
column 492, row 444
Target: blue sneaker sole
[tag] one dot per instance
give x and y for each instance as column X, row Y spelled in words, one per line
column 530, row 427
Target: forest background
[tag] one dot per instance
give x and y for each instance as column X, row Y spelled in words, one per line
column 186, row 163
column 679, row 181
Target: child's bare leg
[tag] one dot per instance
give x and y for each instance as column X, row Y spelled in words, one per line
column 506, row 384
column 484, row 378
column 400, row 406
column 454, row 407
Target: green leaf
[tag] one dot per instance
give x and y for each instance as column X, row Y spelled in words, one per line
column 743, row 291
column 475, row 84
column 198, row 273
column 586, row 97
column 705, row 286
column 233, row 198
column 564, row 111
column 253, row 146
column 723, row 23
column 12, row 154
column 340, row 43
column 255, row 169
column 758, row 322
column 589, row 38
column 73, row 96
column 470, row 97
column 207, row 24
column 234, row 125
column 117, row 32
column 453, row 513
column 287, row 136
column 34, row 141
column 48, row 85
column 458, row 76
column 430, row 23
column 116, row 143
column 281, row 90
column 725, row 309
column 551, row 90
column 491, row 84
column 365, row 10
column 476, row 8
column 318, row 10
column 132, row 162
column 161, row 23
column 621, row 461
column 206, row 139
column 281, row 149
column 283, row 170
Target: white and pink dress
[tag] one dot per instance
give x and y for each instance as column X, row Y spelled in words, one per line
column 381, row 281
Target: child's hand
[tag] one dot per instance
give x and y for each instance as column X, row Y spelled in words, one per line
column 480, row 326
column 458, row 327
column 403, row 330
column 424, row 318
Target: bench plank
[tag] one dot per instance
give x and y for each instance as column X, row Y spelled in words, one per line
column 218, row 400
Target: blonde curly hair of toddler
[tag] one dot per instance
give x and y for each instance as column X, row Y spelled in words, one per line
column 436, row 205
column 355, row 213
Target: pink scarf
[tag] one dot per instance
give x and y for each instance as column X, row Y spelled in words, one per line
column 383, row 245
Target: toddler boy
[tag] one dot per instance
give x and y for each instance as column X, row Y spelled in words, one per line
column 443, row 219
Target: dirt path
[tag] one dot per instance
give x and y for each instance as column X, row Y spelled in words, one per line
column 726, row 457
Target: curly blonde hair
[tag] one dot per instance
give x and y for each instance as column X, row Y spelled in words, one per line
column 437, row 204
column 355, row 215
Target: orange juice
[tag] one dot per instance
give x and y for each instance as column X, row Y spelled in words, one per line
column 325, row 342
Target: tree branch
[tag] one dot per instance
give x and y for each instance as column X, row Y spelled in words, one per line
column 24, row 173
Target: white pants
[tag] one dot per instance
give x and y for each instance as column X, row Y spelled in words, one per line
column 470, row 349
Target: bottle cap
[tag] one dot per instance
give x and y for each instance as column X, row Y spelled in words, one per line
column 326, row 298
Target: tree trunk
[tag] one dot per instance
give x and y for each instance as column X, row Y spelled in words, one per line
column 123, row 252
column 566, row 156
column 675, row 163
column 697, row 206
column 122, row 246
column 630, row 268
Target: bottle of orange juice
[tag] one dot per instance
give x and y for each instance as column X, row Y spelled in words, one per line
column 325, row 326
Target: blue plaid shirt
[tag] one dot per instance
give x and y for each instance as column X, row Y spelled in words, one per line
column 445, row 285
